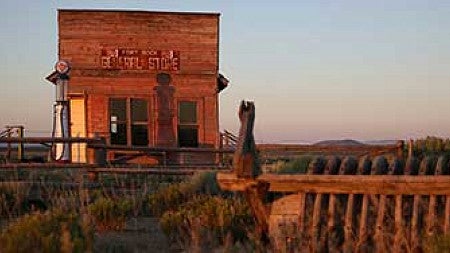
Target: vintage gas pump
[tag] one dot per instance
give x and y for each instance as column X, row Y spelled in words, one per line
column 61, row 151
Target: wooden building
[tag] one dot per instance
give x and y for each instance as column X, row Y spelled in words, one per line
column 142, row 78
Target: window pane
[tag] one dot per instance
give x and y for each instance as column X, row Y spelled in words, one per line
column 118, row 109
column 139, row 110
column 187, row 136
column 187, row 112
column 139, row 135
column 119, row 137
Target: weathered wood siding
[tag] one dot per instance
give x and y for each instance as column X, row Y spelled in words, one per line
column 83, row 34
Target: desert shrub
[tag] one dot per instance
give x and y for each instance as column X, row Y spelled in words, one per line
column 54, row 176
column 7, row 202
column 109, row 213
column 52, row 231
column 12, row 199
column 380, row 165
column 206, row 183
column 208, row 221
column 437, row 244
column 442, row 165
column 172, row 196
column 431, row 145
column 296, row 166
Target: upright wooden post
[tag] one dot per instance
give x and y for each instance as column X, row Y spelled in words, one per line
column 254, row 196
column 410, row 148
column 333, row 167
column 348, row 227
column 379, row 231
column 447, row 215
column 415, row 222
column 398, row 221
column 349, row 167
column 302, row 213
column 362, row 234
column 245, row 160
column 246, row 165
column 400, row 148
column 100, row 153
column 315, row 227
column 20, row 146
column 8, row 147
column 431, row 215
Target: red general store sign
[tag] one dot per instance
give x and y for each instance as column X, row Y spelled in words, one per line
column 140, row 59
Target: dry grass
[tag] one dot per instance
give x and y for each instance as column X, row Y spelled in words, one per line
column 194, row 214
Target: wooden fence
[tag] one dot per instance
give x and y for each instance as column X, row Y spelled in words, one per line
column 349, row 213
column 343, row 204
column 216, row 157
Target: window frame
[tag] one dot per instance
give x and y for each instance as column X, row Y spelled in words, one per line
column 129, row 122
column 194, row 125
column 118, row 121
column 139, row 122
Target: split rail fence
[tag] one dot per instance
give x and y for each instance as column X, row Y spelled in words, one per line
column 100, row 148
column 348, row 213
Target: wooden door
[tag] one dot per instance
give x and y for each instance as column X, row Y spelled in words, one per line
column 78, row 128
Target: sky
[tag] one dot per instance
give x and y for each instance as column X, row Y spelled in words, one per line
column 316, row 70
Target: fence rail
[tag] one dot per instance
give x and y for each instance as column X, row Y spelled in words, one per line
column 343, row 184
column 216, row 155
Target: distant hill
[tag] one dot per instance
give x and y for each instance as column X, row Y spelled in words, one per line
column 345, row 142
column 381, row 142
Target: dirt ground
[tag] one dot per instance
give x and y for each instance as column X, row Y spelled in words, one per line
column 140, row 235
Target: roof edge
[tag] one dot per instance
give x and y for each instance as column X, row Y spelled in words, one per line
column 141, row 11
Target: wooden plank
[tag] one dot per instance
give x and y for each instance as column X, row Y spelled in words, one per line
column 96, row 143
column 431, row 216
column 161, row 149
column 447, row 215
column 348, row 226
column 40, row 140
column 254, row 196
column 301, row 216
column 283, row 221
column 315, row 228
column 15, row 166
column 363, row 224
column 379, row 231
column 142, row 171
column 331, row 224
column 345, row 184
column 415, row 224
column 331, row 212
column 398, row 220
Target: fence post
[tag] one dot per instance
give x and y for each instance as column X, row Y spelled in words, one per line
column 20, row 146
column 8, row 145
column 100, row 153
column 400, row 148
column 447, row 215
column 246, row 165
column 410, row 148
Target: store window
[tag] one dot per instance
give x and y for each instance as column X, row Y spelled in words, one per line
column 187, row 124
column 118, row 111
column 129, row 121
column 139, row 122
